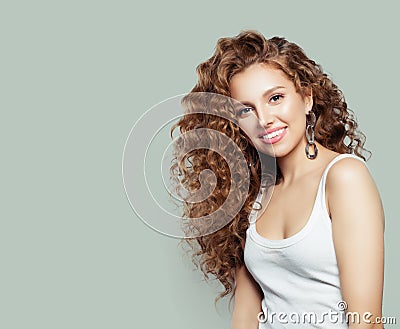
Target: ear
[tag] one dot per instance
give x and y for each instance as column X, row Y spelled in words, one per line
column 308, row 101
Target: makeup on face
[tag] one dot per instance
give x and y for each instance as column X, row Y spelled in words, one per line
column 272, row 112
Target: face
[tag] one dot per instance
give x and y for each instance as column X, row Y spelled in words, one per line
column 273, row 115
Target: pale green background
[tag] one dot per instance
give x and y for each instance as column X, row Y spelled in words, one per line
column 76, row 75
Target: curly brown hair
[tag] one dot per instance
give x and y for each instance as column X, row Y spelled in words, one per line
column 220, row 253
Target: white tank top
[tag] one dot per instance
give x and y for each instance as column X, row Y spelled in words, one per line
column 299, row 275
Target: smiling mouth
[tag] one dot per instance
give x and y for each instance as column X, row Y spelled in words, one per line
column 274, row 136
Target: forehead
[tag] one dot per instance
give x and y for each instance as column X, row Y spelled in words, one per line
column 256, row 79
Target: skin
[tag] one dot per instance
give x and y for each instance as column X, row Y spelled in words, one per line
column 352, row 197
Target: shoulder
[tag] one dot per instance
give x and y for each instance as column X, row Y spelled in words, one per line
column 347, row 170
column 349, row 184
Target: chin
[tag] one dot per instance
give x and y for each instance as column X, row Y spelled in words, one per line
column 276, row 152
column 264, row 149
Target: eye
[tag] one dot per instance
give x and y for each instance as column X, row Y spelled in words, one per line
column 276, row 98
column 244, row 111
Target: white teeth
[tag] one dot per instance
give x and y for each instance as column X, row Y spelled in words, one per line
column 273, row 134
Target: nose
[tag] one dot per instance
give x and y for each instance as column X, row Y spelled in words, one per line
column 264, row 116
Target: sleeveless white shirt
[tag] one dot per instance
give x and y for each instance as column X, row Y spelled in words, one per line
column 299, row 275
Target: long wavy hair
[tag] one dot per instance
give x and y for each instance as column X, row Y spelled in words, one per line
column 220, row 253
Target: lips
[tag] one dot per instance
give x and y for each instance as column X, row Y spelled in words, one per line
column 273, row 135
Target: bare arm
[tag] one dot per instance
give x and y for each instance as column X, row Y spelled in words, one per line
column 248, row 296
column 358, row 235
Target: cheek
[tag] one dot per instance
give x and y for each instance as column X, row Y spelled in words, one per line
column 294, row 114
column 248, row 125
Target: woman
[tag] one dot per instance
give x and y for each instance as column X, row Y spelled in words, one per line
column 316, row 252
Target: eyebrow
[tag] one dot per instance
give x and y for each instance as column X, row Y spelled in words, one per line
column 265, row 94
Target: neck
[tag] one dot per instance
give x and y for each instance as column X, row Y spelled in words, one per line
column 295, row 164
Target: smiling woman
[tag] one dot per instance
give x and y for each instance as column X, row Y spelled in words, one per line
column 315, row 241
column 274, row 109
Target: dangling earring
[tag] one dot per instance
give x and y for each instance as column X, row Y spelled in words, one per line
column 311, row 119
